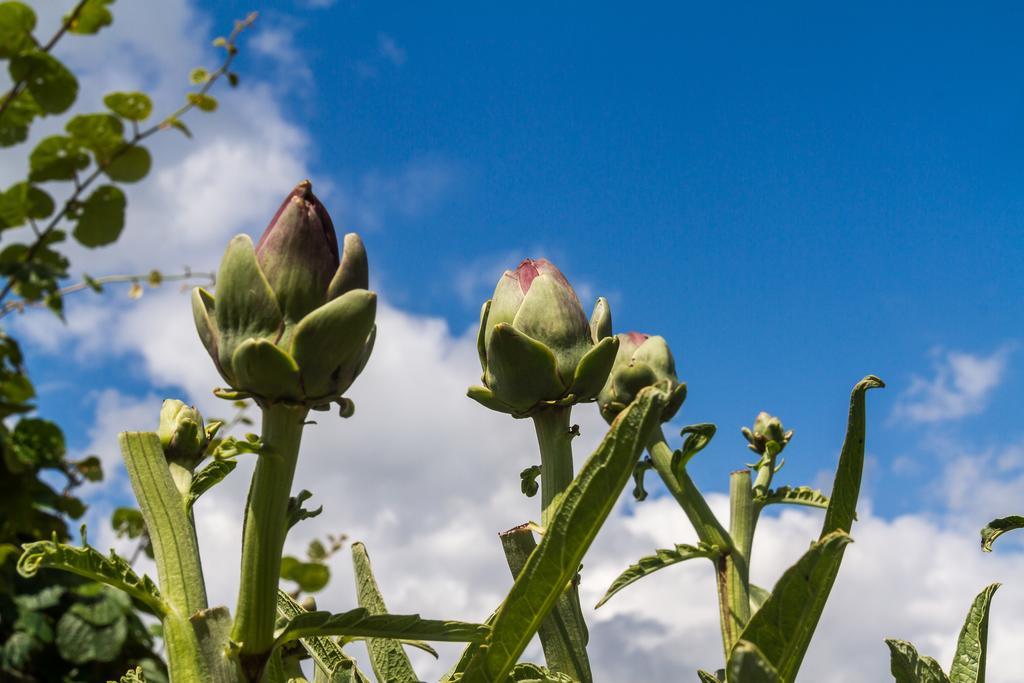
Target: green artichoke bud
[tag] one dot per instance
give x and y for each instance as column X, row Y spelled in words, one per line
column 182, row 434
column 292, row 321
column 642, row 361
column 535, row 344
column 766, row 428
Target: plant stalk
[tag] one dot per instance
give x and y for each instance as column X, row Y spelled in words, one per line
column 736, row 576
column 554, row 438
column 263, row 533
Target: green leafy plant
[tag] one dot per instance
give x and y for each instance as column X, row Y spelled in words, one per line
column 969, row 662
column 765, row 634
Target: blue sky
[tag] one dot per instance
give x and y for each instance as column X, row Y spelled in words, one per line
column 794, row 197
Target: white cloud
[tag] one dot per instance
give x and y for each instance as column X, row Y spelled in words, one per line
column 961, row 386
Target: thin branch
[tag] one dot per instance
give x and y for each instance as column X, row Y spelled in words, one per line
column 91, row 283
column 83, row 185
column 19, row 86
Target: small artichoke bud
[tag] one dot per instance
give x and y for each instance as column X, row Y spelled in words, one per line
column 292, row 320
column 766, row 428
column 537, row 347
column 642, row 361
column 182, row 434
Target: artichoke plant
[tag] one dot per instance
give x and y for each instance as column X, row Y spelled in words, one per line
column 291, row 321
column 642, row 361
column 536, row 347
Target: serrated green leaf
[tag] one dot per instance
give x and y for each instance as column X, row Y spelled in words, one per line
column 532, row 673
column 971, row 647
column 206, row 478
column 202, row 102
column 359, row 622
column 662, row 557
column 131, row 164
column 326, row 652
column 17, row 22
column 85, row 561
column 794, row 495
column 706, row 677
column 998, row 527
column 134, row 106
column 748, row 665
column 389, row 661
column 57, row 157
column 53, row 87
column 907, row 666
column 783, row 627
column 102, row 217
column 585, row 505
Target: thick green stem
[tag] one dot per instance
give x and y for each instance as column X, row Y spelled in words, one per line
column 735, row 579
column 555, row 440
column 263, row 533
column 681, row 486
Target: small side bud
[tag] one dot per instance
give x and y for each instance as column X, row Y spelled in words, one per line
column 182, row 434
column 767, row 428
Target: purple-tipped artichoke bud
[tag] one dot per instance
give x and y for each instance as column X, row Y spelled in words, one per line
column 641, row 361
column 182, row 434
column 292, row 321
column 536, row 346
column 766, row 428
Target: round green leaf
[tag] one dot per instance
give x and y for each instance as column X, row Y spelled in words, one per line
column 93, row 16
column 101, row 133
column 102, row 217
column 56, row 158
column 130, row 165
column 51, row 84
column 134, row 106
column 15, row 120
column 198, row 75
column 22, row 201
column 311, row 576
column 16, row 24
column 37, row 442
column 203, row 102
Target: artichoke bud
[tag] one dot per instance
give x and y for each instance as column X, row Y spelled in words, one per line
column 537, row 347
column 766, row 428
column 182, row 434
column 641, row 361
column 292, row 320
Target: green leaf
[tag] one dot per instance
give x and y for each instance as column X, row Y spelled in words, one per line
column 296, row 513
column 129, row 165
column 359, row 622
column 102, row 217
column 53, row 87
column 585, row 505
column 206, row 478
column 842, row 509
column 663, row 557
column 799, row 495
column 128, row 522
column 698, row 436
column 998, row 527
column 907, row 666
column 23, row 201
column 389, row 661
column 311, row 576
column 563, row 634
column 198, row 75
column 969, row 660
column 56, row 158
column 91, row 468
column 134, row 106
column 748, row 665
column 93, row 16
column 79, row 642
column 326, row 652
column 17, row 22
column 758, row 596
column 532, row 673
column 178, row 125
column 528, row 481
column 783, row 627
column 705, row 677
column 85, row 561
column 202, row 102
column 37, row 443
column 16, row 119
column 103, row 134
column 644, row 464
